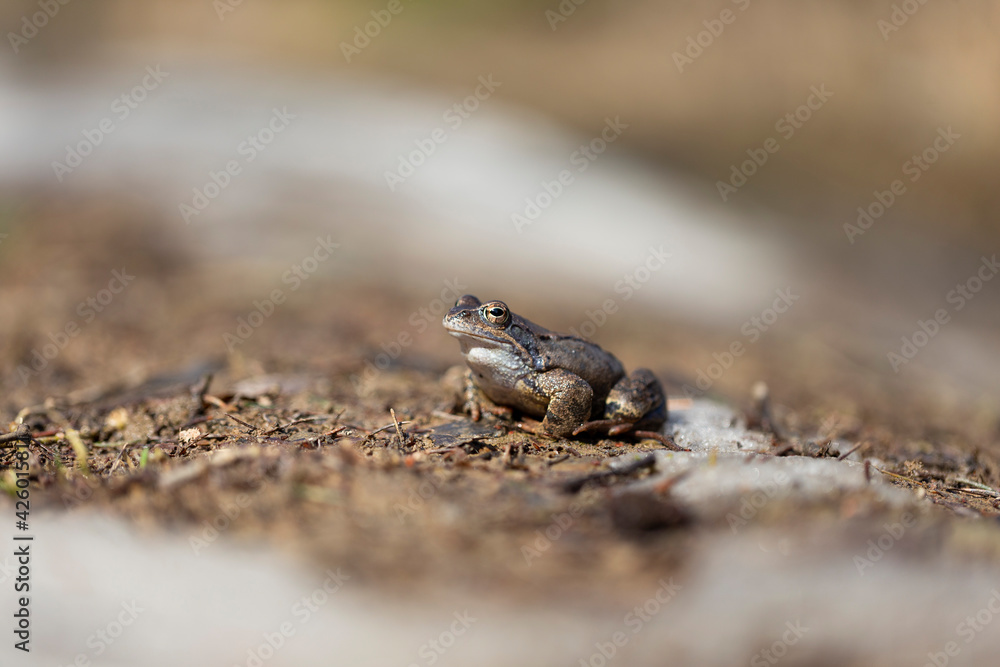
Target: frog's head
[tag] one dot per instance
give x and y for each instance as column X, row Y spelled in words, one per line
column 478, row 324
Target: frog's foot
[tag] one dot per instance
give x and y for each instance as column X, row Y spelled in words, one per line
column 476, row 408
column 531, row 426
column 498, row 411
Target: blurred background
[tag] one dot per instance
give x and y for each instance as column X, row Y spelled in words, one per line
column 815, row 181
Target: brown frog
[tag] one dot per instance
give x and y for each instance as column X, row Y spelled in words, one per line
column 573, row 384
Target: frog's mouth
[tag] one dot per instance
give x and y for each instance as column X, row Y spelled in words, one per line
column 463, row 337
column 460, row 333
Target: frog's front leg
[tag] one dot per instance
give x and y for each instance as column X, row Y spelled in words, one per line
column 569, row 397
column 476, row 402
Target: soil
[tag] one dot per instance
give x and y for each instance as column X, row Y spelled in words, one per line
column 291, row 438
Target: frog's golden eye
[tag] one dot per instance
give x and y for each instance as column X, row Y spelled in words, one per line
column 496, row 314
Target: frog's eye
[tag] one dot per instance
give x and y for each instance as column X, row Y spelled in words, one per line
column 496, row 314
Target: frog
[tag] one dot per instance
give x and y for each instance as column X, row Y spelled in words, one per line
column 571, row 383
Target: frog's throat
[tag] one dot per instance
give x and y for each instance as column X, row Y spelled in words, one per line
column 502, row 343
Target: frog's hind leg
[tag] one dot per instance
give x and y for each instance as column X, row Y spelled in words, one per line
column 636, row 405
column 637, row 398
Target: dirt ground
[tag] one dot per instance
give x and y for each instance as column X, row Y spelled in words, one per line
column 289, row 438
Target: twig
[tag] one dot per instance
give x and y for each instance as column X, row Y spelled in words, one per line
column 990, row 493
column 296, row 423
column 399, row 431
column 665, row 440
column 762, row 415
column 851, row 450
column 442, row 450
column 508, row 454
column 219, row 403
column 974, row 484
column 558, row 459
column 317, row 438
column 908, row 479
column 387, row 427
column 118, row 459
column 20, row 434
column 253, row 429
column 198, row 392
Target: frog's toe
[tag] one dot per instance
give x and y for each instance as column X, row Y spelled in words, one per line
column 531, row 426
column 595, row 425
column 610, row 426
column 618, row 429
column 501, row 411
